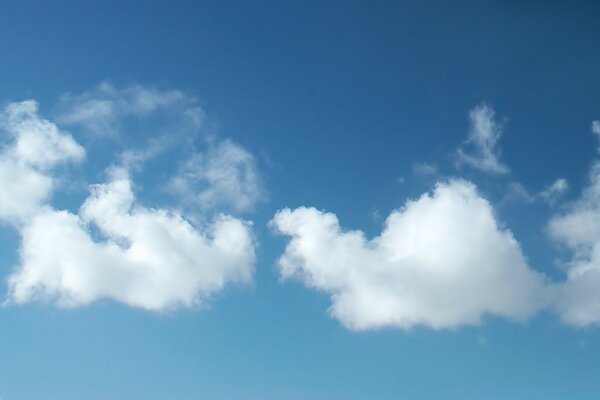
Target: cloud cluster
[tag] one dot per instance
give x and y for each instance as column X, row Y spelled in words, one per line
column 113, row 247
column 441, row 261
column 479, row 151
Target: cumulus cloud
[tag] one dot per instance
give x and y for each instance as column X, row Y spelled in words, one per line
column 148, row 258
column 479, row 150
column 35, row 146
column 578, row 227
column 578, row 299
column 225, row 174
column 441, row 261
column 113, row 247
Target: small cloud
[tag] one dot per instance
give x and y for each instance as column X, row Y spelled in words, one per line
column 100, row 112
column 518, row 193
column 596, row 130
column 376, row 216
column 224, row 175
column 479, row 150
column 596, row 127
column 424, row 169
column 554, row 191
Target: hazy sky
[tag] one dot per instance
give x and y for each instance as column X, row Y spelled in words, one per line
column 299, row 200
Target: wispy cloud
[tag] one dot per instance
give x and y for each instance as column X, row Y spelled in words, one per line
column 225, row 175
column 100, row 112
column 517, row 192
column 480, row 149
column 596, row 130
column 553, row 192
column 424, row 169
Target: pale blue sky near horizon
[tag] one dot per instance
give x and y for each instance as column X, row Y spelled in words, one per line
column 343, row 106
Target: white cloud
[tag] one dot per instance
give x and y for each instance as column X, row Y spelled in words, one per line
column 596, row 130
column 518, row 193
column 101, row 111
column 224, row 175
column 113, row 247
column 424, row 169
column 34, row 147
column 578, row 299
column 479, row 150
column 217, row 174
column 555, row 191
column 596, row 127
column 441, row 261
column 148, row 258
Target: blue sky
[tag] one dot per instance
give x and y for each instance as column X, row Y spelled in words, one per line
column 311, row 200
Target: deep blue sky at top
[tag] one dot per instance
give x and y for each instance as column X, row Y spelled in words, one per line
column 338, row 100
column 370, row 88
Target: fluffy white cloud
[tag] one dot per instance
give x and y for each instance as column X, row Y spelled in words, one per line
column 34, row 147
column 578, row 299
column 441, row 261
column 148, row 258
column 223, row 175
column 479, row 151
column 113, row 247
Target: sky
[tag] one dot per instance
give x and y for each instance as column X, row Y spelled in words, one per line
column 299, row 200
